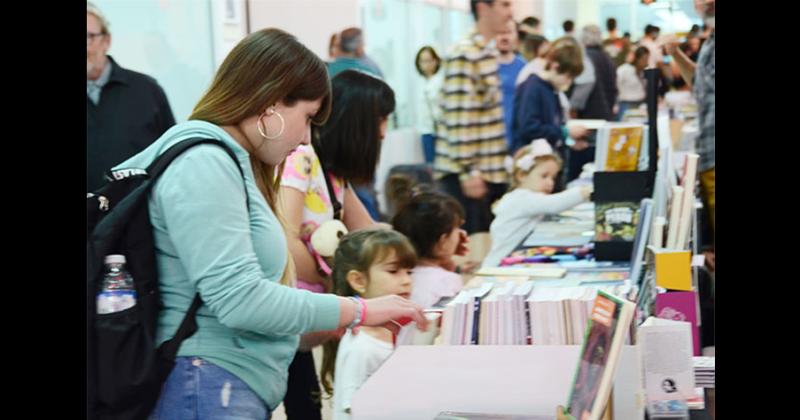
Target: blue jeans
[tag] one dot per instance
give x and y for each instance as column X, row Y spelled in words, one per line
column 429, row 147
column 624, row 106
column 199, row 390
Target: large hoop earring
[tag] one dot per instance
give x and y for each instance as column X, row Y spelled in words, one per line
column 263, row 131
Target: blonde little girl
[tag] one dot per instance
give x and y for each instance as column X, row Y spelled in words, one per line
column 534, row 173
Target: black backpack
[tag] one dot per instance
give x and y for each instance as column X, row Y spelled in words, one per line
column 125, row 370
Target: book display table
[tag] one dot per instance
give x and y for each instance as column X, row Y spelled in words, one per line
column 418, row 382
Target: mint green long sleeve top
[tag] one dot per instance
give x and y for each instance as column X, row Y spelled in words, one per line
column 208, row 241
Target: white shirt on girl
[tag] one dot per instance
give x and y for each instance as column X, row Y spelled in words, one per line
column 518, row 213
column 358, row 357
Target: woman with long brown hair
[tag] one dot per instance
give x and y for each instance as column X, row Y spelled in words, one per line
column 221, row 237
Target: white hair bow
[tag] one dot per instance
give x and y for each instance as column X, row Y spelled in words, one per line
column 539, row 147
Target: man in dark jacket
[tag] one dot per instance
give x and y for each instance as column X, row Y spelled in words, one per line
column 125, row 110
column 602, row 97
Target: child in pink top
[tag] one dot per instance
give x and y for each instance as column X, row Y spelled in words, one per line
column 432, row 222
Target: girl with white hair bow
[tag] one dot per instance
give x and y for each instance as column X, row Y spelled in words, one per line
column 533, row 174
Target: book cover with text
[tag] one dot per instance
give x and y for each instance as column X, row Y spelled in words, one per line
column 616, row 221
column 605, row 334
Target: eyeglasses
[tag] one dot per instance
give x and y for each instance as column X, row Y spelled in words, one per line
column 91, row 36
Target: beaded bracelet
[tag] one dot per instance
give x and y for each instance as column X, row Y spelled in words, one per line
column 361, row 313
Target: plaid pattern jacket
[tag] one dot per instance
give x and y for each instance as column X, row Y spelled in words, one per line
column 471, row 132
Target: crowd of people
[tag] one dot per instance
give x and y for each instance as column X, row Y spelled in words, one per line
column 307, row 133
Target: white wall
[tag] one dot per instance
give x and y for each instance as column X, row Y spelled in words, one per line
column 311, row 21
column 229, row 26
column 170, row 40
column 396, row 29
column 523, row 9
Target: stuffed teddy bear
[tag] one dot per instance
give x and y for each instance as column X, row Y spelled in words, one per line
column 324, row 242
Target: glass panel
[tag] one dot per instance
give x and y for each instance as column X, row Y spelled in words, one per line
column 394, row 30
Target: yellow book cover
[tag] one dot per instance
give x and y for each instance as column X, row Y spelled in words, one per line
column 673, row 270
column 624, row 144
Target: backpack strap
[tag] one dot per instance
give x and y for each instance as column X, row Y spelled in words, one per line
column 164, row 159
column 337, row 206
column 138, row 197
column 169, row 349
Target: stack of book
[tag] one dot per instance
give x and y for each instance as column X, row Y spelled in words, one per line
column 503, row 318
column 519, row 313
column 559, row 315
column 704, row 371
column 458, row 316
column 681, row 205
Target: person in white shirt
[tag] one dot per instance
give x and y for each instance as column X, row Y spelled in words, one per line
column 428, row 64
column 631, row 83
column 535, row 167
column 651, row 42
column 368, row 263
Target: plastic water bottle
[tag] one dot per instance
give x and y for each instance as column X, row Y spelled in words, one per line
column 116, row 292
